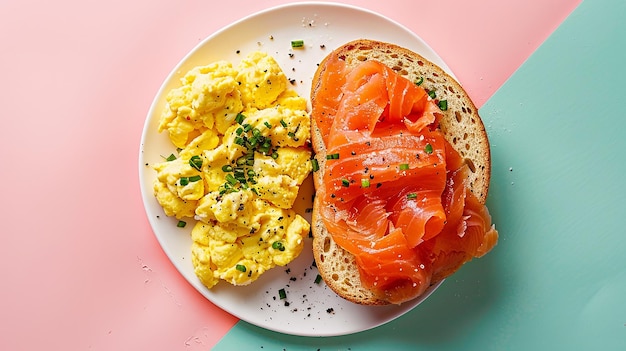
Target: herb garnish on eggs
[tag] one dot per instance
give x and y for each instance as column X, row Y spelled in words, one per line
column 243, row 137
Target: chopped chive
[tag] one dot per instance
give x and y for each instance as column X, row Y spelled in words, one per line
column 195, row 162
column 432, row 94
column 275, row 155
column 411, row 196
column 171, row 157
column 246, row 127
column 239, row 175
column 251, row 173
column 181, row 224
column 256, row 132
column 241, row 161
column 230, row 179
column 282, row 294
column 277, row 245
column 428, row 149
column 332, row 156
column 282, row 123
column 297, row 43
column 195, row 178
column 183, row 181
column 239, row 118
column 365, row 183
column 315, row 166
column 227, row 168
column 404, row 166
column 269, row 126
column 253, row 142
column 240, row 141
column 240, row 268
column 443, row 105
column 318, row 279
column 345, row 182
column 419, row 81
column 291, row 135
column 265, row 148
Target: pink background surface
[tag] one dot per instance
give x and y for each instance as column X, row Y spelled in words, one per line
column 80, row 266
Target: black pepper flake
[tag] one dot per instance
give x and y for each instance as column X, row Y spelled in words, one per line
column 330, row 310
column 238, row 52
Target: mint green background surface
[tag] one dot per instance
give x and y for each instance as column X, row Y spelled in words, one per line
column 557, row 279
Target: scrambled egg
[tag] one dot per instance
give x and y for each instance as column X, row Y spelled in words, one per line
column 242, row 136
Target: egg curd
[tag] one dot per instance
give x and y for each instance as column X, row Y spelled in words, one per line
column 243, row 137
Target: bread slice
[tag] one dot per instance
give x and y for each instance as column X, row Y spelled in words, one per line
column 461, row 125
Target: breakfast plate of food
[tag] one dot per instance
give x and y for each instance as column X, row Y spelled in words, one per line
column 282, row 208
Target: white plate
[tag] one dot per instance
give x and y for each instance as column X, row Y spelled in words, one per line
column 313, row 309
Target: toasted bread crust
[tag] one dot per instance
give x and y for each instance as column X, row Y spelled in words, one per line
column 461, row 126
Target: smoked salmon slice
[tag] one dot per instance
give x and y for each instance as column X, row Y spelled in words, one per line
column 396, row 191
